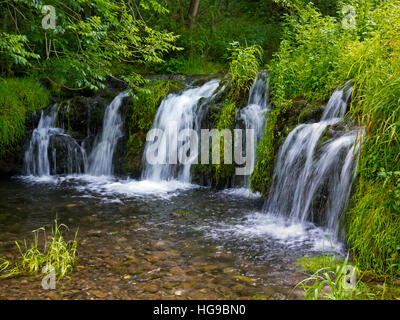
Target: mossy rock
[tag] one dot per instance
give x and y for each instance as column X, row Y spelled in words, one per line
column 205, row 78
column 282, row 119
column 311, row 113
column 135, row 144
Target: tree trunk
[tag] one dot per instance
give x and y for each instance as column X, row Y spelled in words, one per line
column 193, row 9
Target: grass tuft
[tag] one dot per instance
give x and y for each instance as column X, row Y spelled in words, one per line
column 56, row 252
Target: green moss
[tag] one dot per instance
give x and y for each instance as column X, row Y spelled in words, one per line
column 311, row 112
column 18, row 97
column 313, row 264
column 281, row 120
column 182, row 212
column 135, row 147
column 325, row 136
column 225, row 120
column 373, row 229
column 221, row 115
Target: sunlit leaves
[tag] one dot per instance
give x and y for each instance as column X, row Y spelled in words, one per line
column 90, row 36
column 13, row 47
column 244, row 65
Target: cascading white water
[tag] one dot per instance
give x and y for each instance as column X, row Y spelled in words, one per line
column 49, row 143
column 101, row 157
column 176, row 112
column 39, row 162
column 255, row 113
column 308, row 169
column 337, row 105
column 36, row 157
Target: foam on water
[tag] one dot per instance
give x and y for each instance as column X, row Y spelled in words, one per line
column 258, row 227
column 131, row 188
column 241, row 193
column 109, row 186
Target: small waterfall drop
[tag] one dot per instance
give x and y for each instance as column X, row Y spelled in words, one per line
column 309, row 170
column 52, row 151
column 176, row 112
column 39, row 161
column 255, row 113
column 101, row 157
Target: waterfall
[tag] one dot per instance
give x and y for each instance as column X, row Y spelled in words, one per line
column 337, row 105
column 39, row 161
column 52, row 151
column 310, row 172
column 176, row 112
column 101, row 157
column 254, row 114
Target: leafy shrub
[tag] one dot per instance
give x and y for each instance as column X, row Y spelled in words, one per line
column 244, row 66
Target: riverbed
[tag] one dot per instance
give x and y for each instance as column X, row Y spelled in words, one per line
column 157, row 240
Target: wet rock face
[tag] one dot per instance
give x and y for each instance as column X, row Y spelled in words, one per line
column 83, row 116
column 66, row 155
column 311, row 113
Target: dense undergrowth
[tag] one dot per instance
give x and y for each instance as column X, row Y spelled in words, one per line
column 319, row 53
column 18, row 97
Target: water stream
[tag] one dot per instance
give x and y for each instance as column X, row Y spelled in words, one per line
column 49, row 143
column 255, row 114
column 177, row 112
column 309, row 170
column 101, row 158
column 186, row 240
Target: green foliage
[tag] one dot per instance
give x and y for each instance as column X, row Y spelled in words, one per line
column 392, row 182
column 218, row 24
column 244, row 66
column 17, row 97
column 89, row 37
column 57, row 253
column 13, row 50
column 225, row 119
column 373, row 229
column 308, row 57
column 190, row 65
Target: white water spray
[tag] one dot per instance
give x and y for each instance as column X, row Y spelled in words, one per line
column 256, row 111
column 176, row 113
column 309, row 170
column 39, row 161
column 101, row 157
